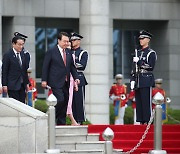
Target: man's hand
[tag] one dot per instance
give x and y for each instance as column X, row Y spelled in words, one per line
column 135, row 59
column 75, row 86
column 1, row 90
column 5, row 89
column 44, row 84
column 27, row 87
column 77, row 81
column 132, row 85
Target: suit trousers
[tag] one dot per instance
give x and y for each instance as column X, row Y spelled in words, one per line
column 62, row 95
column 19, row 95
column 143, row 98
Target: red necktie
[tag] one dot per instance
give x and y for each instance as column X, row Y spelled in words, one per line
column 64, row 56
column 64, row 59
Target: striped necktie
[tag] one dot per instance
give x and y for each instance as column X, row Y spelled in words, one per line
column 19, row 60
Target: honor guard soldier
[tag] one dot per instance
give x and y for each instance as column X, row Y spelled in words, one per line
column 81, row 58
column 118, row 93
column 156, row 89
column 142, row 79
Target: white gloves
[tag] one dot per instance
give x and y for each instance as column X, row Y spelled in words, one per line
column 132, row 85
column 113, row 97
column 135, row 59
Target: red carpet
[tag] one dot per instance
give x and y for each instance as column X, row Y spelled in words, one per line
column 127, row 136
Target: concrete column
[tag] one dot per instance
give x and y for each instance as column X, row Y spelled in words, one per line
column 94, row 26
column 0, row 29
column 174, row 65
column 26, row 25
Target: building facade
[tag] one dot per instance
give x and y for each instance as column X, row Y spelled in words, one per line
column 108, row 27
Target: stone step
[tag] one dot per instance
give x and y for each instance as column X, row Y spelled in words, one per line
column 61, row 130
column 84, row 152
column 89, row 145
column 117, row 151
column 76, row 138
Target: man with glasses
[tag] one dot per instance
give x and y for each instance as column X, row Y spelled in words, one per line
column 142, row 79
column 14, row 70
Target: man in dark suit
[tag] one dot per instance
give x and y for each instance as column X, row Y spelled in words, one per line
column 14, row 71
column 57, row 66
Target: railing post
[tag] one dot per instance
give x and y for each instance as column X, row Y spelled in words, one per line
column 51, row 102
column 158, row 98
column 108, row 135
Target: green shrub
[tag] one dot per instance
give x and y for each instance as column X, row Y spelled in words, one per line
column 41, row 105
column 128, row 117
column 173, row 116
column 68, row 121
column 111, row 116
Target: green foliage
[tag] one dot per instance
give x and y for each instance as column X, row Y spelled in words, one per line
column 174, row 116
column 87, row 122
column 128, row 117
column 112, row 117
column 41, row 105
column 68, row 121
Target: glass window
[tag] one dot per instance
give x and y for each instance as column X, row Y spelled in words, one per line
column 123, row 50
column 40, row 49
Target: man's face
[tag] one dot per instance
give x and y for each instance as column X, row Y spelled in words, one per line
column 158, row 85
column 76, row 43
column 64, row 42
column 119, row 81
column 18, row 46
column 144, row 41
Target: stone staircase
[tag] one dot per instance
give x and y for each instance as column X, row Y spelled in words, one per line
column 76, row 140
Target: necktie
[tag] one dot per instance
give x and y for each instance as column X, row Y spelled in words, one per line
column 19, row 60
column 64, row 56
column 141, row 54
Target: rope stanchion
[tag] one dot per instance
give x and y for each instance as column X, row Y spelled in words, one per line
column 177, row 121
column 143, row 136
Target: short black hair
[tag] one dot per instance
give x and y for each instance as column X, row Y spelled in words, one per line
column 14, row 39
column 62, row 34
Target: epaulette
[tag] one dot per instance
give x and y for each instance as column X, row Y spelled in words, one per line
column 124, row 85
column 26, row 51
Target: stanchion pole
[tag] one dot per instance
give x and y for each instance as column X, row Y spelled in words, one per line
column 158, row 98
column 51, row 102
column 108, row 135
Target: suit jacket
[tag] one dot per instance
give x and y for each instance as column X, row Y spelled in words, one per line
column 54, row 71
column 12, row 72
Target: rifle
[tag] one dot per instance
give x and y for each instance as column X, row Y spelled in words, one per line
column 136, row 74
